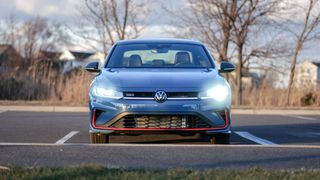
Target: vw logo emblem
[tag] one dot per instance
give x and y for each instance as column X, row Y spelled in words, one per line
column 160, row 96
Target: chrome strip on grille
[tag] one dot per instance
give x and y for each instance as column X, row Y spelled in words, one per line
column 170, row 95
column 139, row 98
column 182, row 98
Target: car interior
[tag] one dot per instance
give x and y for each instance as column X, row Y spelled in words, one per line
column 182, row 59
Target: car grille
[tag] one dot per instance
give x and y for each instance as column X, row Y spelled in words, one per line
column 169, row 94
column 160, row 121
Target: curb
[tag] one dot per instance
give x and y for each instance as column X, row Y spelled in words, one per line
column 86, row 109
column 275, row 111
column 44, row 108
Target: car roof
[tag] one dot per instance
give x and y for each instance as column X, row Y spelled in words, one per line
column 158, row 40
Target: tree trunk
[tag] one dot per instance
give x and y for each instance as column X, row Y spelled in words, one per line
column 227, row 27
column 292, row 70
column 238, row 92
column 224, row 53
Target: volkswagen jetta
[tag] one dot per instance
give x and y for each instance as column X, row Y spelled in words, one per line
column 159, row 86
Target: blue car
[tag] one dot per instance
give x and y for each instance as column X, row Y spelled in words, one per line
column 159, row 86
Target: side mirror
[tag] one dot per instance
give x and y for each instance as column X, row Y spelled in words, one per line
column 226, row 67
column 93, row 67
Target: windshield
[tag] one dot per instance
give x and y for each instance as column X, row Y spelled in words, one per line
column 159, row 56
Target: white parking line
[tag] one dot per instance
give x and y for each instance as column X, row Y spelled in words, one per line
column 253, row 138
column 66, row 137
column 301, row 117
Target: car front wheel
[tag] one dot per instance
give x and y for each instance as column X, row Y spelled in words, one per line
column 97, row 138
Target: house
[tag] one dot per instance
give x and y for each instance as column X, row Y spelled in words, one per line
column 9, row 57
column 83, row 58
column 73, row 59
column 249, row 79
column 80, row 59
column 307, row 75
column 49, row 55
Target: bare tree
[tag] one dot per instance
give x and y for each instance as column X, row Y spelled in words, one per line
column 31, row 36
column 208, row 20
column 210, row 14
column 36, row 37
column 250, row 16
column 228, row 27
column 8, row 30
column 310, row 31
column 106, row 21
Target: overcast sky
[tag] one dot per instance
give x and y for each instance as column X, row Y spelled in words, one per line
column 66, row 10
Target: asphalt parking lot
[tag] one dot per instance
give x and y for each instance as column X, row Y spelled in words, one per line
column 60, row 139
column 50, row 127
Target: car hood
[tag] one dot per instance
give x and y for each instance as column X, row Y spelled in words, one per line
column 158, row 78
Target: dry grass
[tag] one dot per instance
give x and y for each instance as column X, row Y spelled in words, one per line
column 44, row 81
column 74, row 88
column 269, row 97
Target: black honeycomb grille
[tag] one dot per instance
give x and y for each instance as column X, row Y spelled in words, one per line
column 161, row 121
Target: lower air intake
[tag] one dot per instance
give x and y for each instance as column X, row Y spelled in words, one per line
column 161, row 121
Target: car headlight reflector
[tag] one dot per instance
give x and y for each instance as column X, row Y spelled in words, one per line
column 218, row 93
column 108, row 93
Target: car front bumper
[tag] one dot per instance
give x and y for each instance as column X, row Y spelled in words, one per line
column 111, row 110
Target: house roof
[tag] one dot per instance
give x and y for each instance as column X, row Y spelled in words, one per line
column 81, row 55
column 4, row 47
column 50, row 54
column 317, row 64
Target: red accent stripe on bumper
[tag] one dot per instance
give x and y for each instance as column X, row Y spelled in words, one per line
column 158, row 129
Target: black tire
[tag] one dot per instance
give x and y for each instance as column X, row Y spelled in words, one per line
column 97, row 138
column 220, row 139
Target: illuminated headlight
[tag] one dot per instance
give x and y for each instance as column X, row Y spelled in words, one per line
column 107, row 93
column 218, row 93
